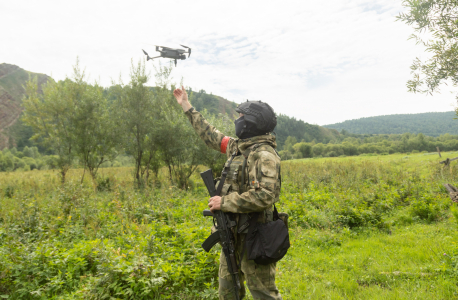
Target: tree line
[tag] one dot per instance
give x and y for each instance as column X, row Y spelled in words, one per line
column 373, row 144
column 84, row 122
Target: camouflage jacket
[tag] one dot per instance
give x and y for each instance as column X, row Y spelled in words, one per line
column 262, row 183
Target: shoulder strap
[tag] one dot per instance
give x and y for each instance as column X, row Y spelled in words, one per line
column 224, row 175
column 246, row 154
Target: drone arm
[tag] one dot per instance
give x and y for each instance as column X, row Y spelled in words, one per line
column 152, row 57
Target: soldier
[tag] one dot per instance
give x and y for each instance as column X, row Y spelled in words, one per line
column 252, row 185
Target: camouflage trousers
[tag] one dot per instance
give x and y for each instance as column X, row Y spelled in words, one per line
column 259, row 278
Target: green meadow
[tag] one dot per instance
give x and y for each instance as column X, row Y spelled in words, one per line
column 365, row 227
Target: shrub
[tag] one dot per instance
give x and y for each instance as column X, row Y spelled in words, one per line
column 104, row 184
column 30, row 162
column 18, row 163
column 9, row 191
column 426, row 208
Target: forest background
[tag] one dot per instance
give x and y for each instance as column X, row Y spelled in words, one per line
column 30, row 144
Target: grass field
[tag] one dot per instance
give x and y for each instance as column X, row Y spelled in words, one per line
column 367, row 227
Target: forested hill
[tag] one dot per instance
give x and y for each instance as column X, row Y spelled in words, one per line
column 302, row 131
column 212, row 103
column 12, row 79
column 430, row 124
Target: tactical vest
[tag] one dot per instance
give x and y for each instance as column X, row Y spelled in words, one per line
column 238, row 181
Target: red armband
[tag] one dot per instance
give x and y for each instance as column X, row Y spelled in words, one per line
column 224, row 143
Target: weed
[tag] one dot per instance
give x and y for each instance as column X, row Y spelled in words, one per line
column 359, row 230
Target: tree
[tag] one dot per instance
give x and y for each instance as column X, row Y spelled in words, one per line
column 289, row 143
column 49, row 116
column 303, row 150
column 92, row 125
column 439, row 20
column 71, row 118
column 137, row 113
column 181, row 149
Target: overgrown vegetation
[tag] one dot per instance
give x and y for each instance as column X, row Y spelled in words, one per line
column 365, row 227
column 80, row 121
column 25, row 160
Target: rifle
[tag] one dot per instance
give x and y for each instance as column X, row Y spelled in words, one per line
column 223, row 233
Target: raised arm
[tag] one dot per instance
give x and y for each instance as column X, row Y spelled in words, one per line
column 208, row 133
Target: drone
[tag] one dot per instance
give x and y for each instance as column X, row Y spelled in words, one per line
column 170, row 53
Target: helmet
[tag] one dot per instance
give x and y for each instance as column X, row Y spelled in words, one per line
column 259, row 114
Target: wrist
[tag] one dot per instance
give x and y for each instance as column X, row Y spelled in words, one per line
column 186, row 106
column 221, row 203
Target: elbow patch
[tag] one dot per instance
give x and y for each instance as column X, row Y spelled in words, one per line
column 224, row 143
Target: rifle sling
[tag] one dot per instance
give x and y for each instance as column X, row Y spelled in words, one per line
column 224, row 175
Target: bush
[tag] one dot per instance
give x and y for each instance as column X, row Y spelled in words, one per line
column 18, row 163
column 331, row 154
column 9, row 191
column 104, row 184
column 426, row 208
column 30, row 162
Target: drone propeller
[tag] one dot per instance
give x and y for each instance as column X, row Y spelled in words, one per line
column 189, row 49
column 175, row 62
column 147, row 56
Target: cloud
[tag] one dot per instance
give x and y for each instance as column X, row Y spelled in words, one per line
column 319, row 61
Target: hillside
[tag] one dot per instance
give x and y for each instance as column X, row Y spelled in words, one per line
column 430, row 124
column 287, row 126
column 12, row 79
column 214, row 104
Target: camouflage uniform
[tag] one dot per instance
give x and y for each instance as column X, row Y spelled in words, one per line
column 257, row 194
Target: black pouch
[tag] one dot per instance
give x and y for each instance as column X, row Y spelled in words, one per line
column 267, row 243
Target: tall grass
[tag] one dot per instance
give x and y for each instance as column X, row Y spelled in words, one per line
column 360, row 228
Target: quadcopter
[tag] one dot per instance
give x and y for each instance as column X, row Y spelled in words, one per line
column 170, row 53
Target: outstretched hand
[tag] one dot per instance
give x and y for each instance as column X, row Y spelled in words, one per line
column 182, row 98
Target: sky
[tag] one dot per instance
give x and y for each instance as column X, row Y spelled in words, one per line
column 319, row 61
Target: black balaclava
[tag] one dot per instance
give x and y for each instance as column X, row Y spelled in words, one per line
column 244, row 129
